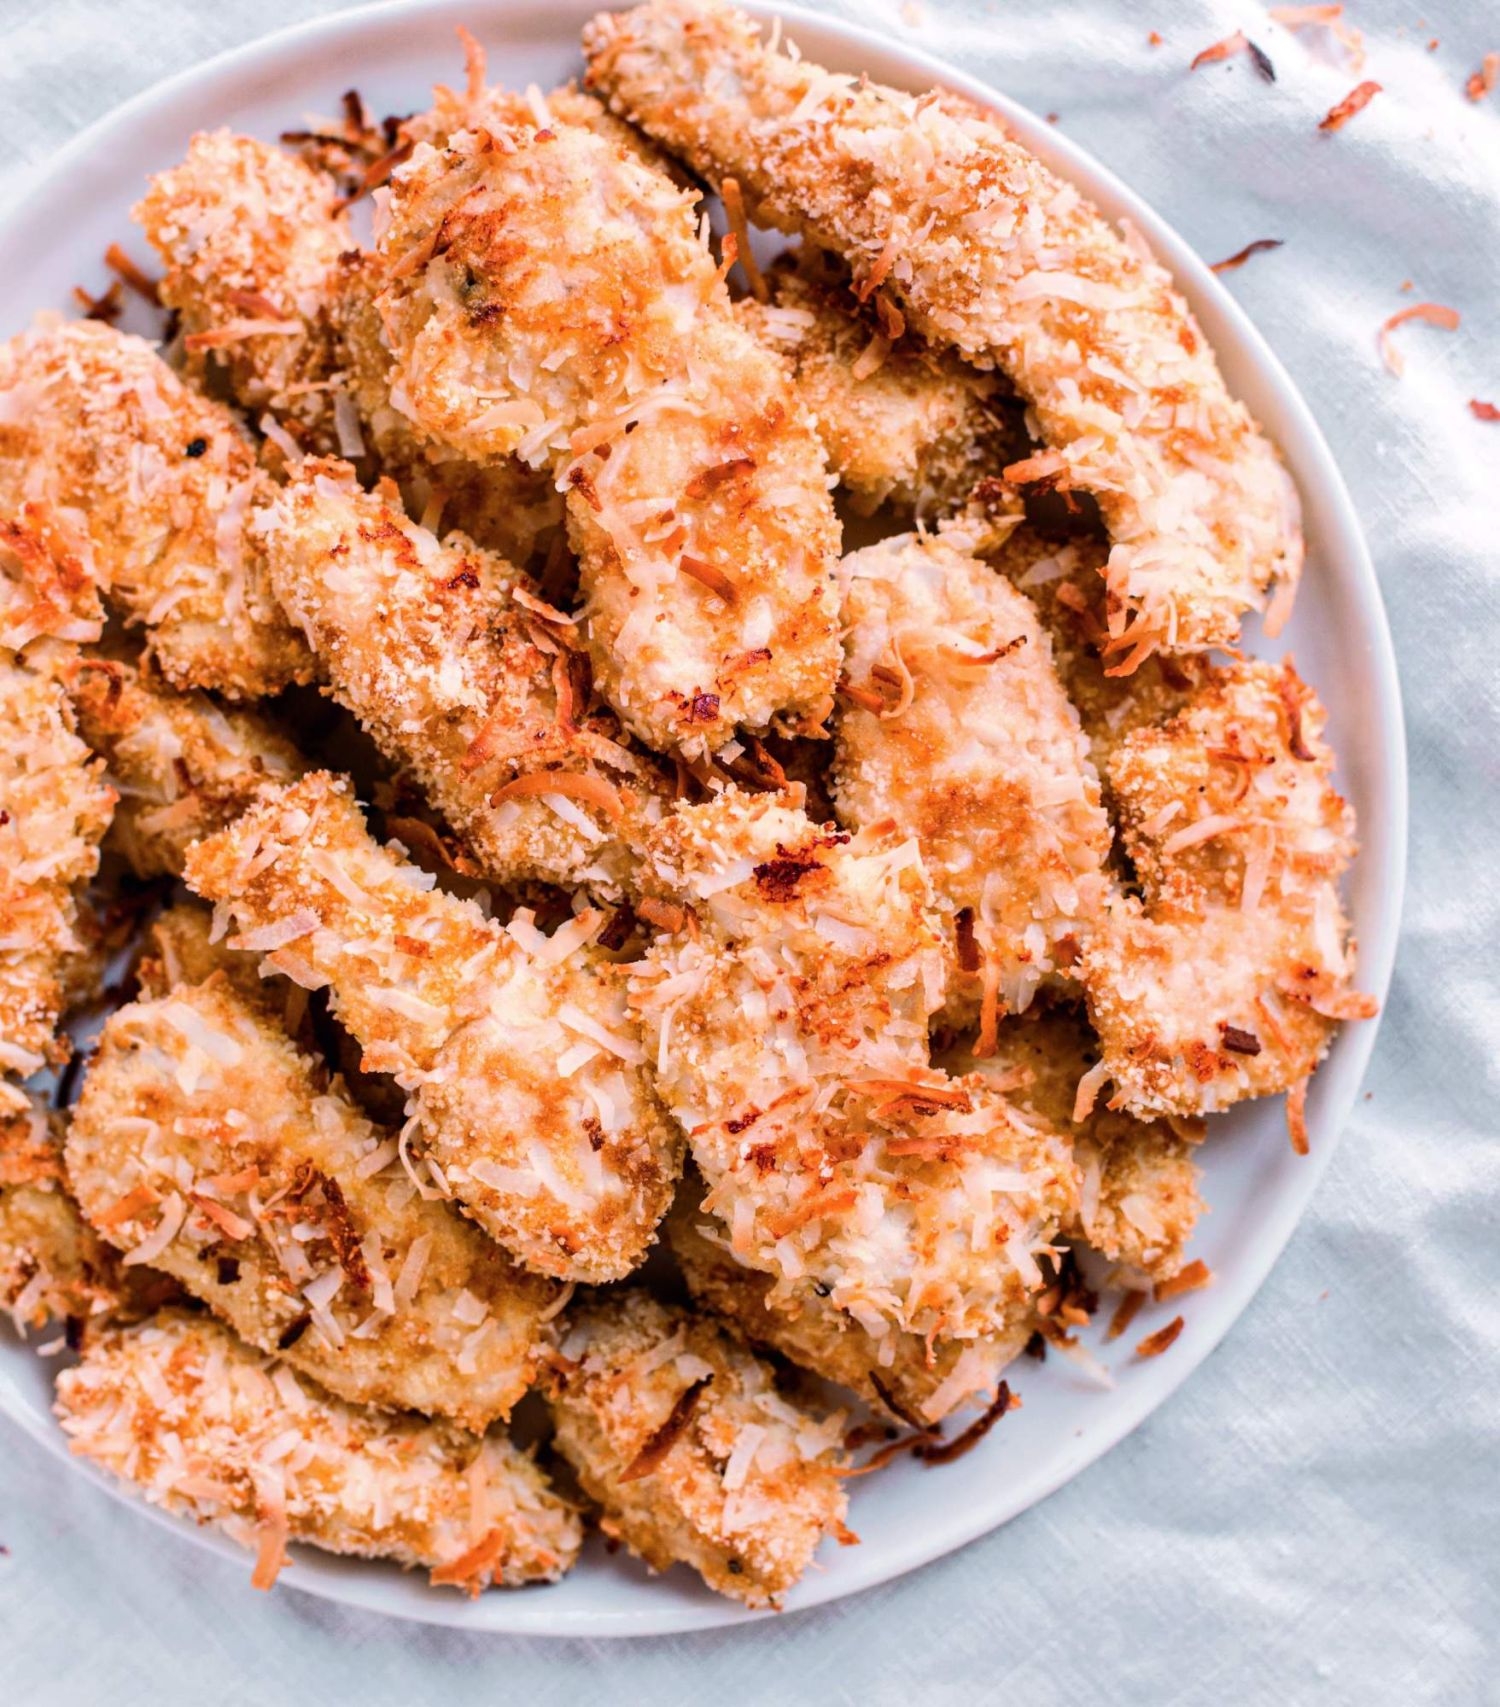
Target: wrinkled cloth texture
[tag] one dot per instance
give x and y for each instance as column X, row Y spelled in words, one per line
column 1315, row 1516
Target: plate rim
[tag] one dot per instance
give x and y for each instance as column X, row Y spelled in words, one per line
column 1308, row 454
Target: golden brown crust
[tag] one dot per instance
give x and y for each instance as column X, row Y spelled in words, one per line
column 465, row 679
column 183, row 766
column 152, row 485
column 527, row 1071
column 679, row 1434
column 54, row 809
column 954, row 726
column 898, row 1374
column 201, row 1426
column 205, row 1144
column 550, row 295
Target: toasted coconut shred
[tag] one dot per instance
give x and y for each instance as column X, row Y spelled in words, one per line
column 876, row 934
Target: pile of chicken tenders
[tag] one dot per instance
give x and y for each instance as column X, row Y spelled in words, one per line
column 543, row 844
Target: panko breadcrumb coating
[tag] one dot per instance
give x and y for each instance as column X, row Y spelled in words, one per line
column 204, row 1426
column 46, row 589
column 787, row 1014
column 1228, row 978
column 466, row 680
column 552, row 296
column 179, row 947
column 679, row 1434
column 898, row 1374
column 250, row 239
column 54, row 809
column 526, row 1067
column 986, row 250
column 153, row 485
column 906, row 426
column 206, row 1145
column 1138, row 1196
column 182, row 765
column 954, row 726
column 53, row 1265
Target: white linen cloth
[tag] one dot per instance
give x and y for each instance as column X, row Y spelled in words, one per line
column 1316, row 1515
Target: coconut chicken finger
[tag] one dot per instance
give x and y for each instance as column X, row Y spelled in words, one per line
column 902, row 1375
column 183, row 766
column 53, row 1265
column 1228, row 978
column 46, row 589
column 954, row 726
column 551, row 295
column 678, row 1432
column 1138, row 1196
column 55, row 806
column 251, row 241
column 983, row 248
column 206, row 1145
column 153, row 484
column 905, row 425
column 201, row 1425
column 787, row 1006
column 527, row 1070
column 467, row 680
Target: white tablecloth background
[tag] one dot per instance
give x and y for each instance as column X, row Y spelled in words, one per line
column 1316, row 1516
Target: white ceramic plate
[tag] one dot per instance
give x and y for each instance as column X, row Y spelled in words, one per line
column 908, row 1514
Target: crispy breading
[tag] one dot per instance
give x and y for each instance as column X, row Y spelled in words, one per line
column 898, row 1374
column 953, row 726
column 906, row 426
column 550, row 295
column 179, row 947
column 250, row 239
column 787, row 1015
column 54, row 809
column 206, row 1144
column 500, row 503
column 1060, row 576
column 678, row 1432
column 46, row 589
column 151, row 485
column 1227, row 979
column 983, row 248
column 182, row 765
column 1138, row 1193
column 526, row 1068
column 201, row 1426
column 453, row 665
column 53, row 1265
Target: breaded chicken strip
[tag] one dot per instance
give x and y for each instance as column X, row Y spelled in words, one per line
column 1138, row 1192
column 678, row 1432
column 986, row 250
column 898, row 1373
column 954, row 726
column 206, row 1145
column 46, row 589
column 54, row 809
column 152, row 485
column 552, row 296
column 53, row 1265
column 182, row 765
column 202, row 1426
column 1228, row 978
column 905, row 425
column 466, row 680
column 787, row 1015
column 250, row 239
column 527, row 1071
